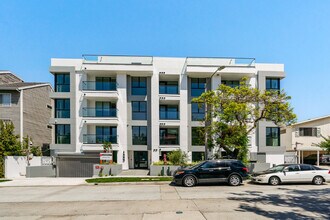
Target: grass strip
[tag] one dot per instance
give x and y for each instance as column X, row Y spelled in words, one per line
column 4, row 180
column 128, row 179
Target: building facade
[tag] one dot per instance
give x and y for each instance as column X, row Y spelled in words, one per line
column 143, row 106
column 301, row 139
column 28, row 106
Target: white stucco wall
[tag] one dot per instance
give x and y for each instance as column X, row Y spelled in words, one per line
column 15, row 166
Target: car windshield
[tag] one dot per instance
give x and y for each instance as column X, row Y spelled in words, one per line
column 276, row 168
column 196, row 165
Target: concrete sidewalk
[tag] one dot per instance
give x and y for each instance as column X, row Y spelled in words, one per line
column 45, row 182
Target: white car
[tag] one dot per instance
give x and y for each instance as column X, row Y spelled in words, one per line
column 289, row 173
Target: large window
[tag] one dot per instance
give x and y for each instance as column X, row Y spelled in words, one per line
column 231, row 83
column 139, row 110
column 62, row 134
column 168, row 87
column 62, row 108
column 5, row 99
column 272, row 84
column 139, row 135
column 105, row 83
column 197, row 111
column 106, row 134
column 62, row 82
column 198, row 86
column 197, row 136
column 169, row 112
column 169, row 136
column 139, row 86
column 272, row 136
column 311, row 132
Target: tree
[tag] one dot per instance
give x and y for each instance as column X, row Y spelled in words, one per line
column 9, row 144
column 107, row 146
column 233, row 113
column 325, row 144
column 177, row 157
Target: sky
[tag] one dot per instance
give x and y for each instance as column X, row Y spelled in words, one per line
column 295, row 33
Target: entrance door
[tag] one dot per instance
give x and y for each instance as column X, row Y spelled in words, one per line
column 140, row 159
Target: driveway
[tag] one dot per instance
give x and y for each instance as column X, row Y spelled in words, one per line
column 163, row 201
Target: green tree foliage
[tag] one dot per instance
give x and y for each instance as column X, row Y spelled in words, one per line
column 9, row 144
column 325, row 144
column 233, row 113
column 177, row 157
column 107, row 146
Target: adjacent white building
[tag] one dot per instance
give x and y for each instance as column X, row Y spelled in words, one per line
column 142, row 105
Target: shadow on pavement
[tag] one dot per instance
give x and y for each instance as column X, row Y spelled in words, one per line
column 298, row 201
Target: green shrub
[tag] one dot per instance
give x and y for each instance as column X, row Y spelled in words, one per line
column 177, row 157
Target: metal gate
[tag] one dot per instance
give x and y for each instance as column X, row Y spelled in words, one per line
column 75, row 166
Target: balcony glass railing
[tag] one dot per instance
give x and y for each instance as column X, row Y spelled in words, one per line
column 169, row 140
column 168, row 89
column 99, row 86
column 99, row 139
column 95, row 112
column 197, row 116
column 168, row 115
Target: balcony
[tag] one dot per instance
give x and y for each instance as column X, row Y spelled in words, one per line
column 99, row 86
column 168, row 88
column 169, row 140
column 100, row 113
column 169, row 115
column 99, row 139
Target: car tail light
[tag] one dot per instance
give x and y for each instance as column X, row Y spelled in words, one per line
column 245, row 169
column 329, row 172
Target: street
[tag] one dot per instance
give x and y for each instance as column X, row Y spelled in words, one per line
column 164, row 201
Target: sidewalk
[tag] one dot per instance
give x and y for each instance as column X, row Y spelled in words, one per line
column 45, row 182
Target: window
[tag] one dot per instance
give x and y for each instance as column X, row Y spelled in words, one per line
column 169, row 136
column 139, row 110
column 197, row 112
column 170, row 112
column 198, row 86
column 170, row 87
column 62, row 82
column 105, row 84
column 291, row 168
column 197, row 136
column 305, row 167
column 231, row 83
column 311, row 132
column 272, row 84
column 272, row 136
column 208, row 165
column 106, row 134
column 62, row 134
column 62, row 108
column 5, row 99
column 139, row 86
column 198, row 156
column 105, row 109
column 139, row 135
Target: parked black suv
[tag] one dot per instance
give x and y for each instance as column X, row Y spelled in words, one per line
column 212, row 171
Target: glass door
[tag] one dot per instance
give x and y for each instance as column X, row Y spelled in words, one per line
column 140, row 159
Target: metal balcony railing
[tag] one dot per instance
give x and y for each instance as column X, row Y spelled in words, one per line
column 117, row 59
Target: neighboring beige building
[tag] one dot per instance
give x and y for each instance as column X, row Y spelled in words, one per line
column 303, row 137
column 28, row 106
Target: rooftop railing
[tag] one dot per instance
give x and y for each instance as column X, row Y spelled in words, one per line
column 117, row 59
column 220, row 61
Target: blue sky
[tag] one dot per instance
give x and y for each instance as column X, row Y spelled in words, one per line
column 296, row 33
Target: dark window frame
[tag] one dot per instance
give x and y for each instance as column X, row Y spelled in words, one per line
column 308, row 132
column 140, row 86
column 201, row 85
column 269, row 83
column 164, row 142
column 167, row 111
column 65, row 133
column 200, row 111
column 139, row 111
column 140, row 140
column 269, row 139
column 58, row 111
column 165, row 84
column 64, row 85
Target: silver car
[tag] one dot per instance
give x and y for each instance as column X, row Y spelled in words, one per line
column 289, row 173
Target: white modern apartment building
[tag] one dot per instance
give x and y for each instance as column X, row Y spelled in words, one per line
column 142, row 105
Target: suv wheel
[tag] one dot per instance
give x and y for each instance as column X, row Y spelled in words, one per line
column 318, row 180
column 189, row 181
column 234, row 180
column 274, row 180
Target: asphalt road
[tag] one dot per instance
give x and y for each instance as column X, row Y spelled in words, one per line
column 163, row 201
